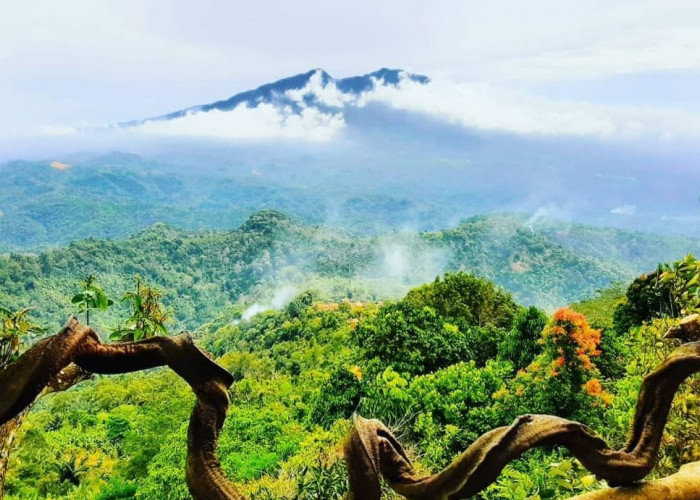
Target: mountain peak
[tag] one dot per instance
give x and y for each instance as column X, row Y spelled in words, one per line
column 266, row 221
column 302, row 90
column 387, row 76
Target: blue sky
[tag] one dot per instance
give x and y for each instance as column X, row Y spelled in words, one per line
column 530, row 66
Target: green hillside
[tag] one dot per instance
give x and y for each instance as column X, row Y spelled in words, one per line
column 202, row 273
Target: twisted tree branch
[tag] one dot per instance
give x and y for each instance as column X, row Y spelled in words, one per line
column 683, row 485
column 43, row 364
column 62, row 381
column 373, row 452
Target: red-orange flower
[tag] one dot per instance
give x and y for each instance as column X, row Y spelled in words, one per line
column 570, row 332
column 593, row 387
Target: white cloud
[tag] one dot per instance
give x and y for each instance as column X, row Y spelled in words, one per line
column 472, row 105
column 265, row 121
column 58, row 130
column 281, row 298
column 624, row 210
column 327, row 94
column 489, row 107
column 147, row 58
column 547, row 213
column 640, row 51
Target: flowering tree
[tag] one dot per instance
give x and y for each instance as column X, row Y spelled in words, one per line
column 563, row 379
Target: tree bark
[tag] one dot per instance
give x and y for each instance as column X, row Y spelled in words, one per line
column 63, row 381
column 683, row 485
column 7, row 437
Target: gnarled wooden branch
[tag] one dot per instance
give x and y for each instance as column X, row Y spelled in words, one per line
column 62, row 381
column 683, row 485
column 373, row 452
column 43, row 364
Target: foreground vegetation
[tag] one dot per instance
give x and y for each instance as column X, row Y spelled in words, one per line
column 450, row 360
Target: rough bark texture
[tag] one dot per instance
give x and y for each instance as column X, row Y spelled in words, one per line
column 63, row 381
column 683, row 485
column 48, row 361
column 373, row 452
column 7, row 437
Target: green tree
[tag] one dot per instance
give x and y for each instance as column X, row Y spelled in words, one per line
column 148, row 315
column 91, row 297
column 411, row 339
column 521, row 344
column 672, row 290
column 469, row 298
column 682, row 280
column 338, row 398
column 15, row 326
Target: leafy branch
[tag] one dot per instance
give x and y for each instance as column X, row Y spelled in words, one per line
column 91, row 297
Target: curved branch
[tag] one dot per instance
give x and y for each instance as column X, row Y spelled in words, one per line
column 372, row 451
column 683, row 485
column 43, row 364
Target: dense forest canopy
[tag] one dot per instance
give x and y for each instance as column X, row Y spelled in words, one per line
column 466, row 358
column 443, row 335
column 202, row 273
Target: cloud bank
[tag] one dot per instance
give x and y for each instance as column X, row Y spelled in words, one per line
column 264, row 121
column 488, row 107
column 315, row 112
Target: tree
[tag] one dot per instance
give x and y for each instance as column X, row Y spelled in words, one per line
column 339, row 396
column 672, row 290
column 411, row 339
column 16, row 327
column 91, row 297
column 682, row 280
column 469, row 298
column 148, row 316
column 570, row 345
column 521, row 344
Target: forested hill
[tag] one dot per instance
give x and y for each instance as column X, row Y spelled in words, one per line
column 202, row 273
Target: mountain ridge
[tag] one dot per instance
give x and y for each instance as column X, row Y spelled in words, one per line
column 276, row 91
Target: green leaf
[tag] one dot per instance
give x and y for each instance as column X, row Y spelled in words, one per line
column 102, row 302
column 116, row 335
column 565, row 484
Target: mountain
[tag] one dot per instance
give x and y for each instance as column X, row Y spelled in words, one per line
column 313, row 88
